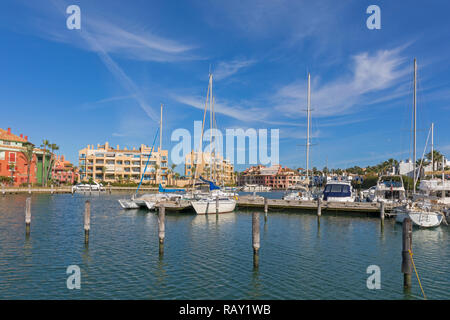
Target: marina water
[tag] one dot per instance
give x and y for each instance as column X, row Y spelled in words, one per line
column 208, row 257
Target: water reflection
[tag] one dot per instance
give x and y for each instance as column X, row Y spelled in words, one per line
column 209, row 257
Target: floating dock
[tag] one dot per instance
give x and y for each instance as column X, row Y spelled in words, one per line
column 179, row 205
column 361, row 207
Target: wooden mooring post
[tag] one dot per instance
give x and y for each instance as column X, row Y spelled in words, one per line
column 217, row 205
column 87, row 221
column 27, row 216
column 406, row 253
column 319, row 207
column 3, row 189
column 266, row 209
column 382, row 212
column 255, row 239
column 51, row 189
column 161, row 228
column 29, row 188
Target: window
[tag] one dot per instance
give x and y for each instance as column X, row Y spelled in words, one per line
column 2, row 155
column 12, row 157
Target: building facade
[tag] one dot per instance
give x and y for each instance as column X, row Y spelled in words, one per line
column 15, row 167
column 214, row 167
column 109, row 164
column 63, row 171
column 275, row 177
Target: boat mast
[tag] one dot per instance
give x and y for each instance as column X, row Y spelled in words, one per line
column 308, row 115
column 200, row 145
column 211, row 125
column 414, row 129
column 160, row 136
column 443, row 179
column 160, row 130
column 432, row 150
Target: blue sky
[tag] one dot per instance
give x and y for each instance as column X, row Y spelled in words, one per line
column 106, row 81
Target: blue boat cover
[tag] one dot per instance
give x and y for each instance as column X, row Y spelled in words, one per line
column 336, row 190
column 212, row 186
column 161, row 189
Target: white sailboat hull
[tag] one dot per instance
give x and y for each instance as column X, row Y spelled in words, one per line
column 209, row 206
column 128, row 204
column 421, row 219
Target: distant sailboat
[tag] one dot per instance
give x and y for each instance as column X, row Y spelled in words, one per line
column 421, row 213
column 303, row 192
column 216, row 201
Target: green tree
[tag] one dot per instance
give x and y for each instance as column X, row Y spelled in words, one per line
column 28, row 153
column 103, row 173
column 45, row 144
column 53, row 147
column 156, row 172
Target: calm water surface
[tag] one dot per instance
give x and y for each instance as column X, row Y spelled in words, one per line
column 205, row 257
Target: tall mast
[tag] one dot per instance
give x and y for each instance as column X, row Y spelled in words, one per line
column 414, row 129
column 200, row 145
column 308, row 115
column 432, row 150
column 160, row 130
column 211, row 126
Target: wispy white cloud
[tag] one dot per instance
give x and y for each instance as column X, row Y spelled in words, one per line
column 244, row 112
column 122, row 77
column 112, row 34
column 226, row 69
column 346, row 94
column 233, row 111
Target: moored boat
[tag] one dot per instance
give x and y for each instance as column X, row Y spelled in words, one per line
column 212, row 205
column 338, row 191
column 421, row 215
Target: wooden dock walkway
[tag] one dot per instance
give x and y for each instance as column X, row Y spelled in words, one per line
column 179, row 205
column 361, row 207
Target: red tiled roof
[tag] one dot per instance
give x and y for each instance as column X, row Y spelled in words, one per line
column 5, row 135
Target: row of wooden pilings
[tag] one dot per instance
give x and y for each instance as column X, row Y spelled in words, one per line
column 256, row 244
column 52, row 189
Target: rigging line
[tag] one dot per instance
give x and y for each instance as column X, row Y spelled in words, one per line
column 200, row 147
column 148, row 160
column 423, row 155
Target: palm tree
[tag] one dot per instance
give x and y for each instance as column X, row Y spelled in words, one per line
column 156, row 173
column 28, row 153
column 172, row 169
column 103, row 173
column 53, row 147
column 436, row 157
column 45, row 144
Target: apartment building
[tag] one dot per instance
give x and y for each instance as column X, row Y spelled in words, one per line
column 276, row 176
column 14, row 165
column 109, row 164
column 63, row 171
column 212, row 166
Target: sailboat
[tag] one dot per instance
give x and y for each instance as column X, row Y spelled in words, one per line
column 421, row 213
column 303, row 192
column 216, row 201
column 149, row 200
column 437, row 190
